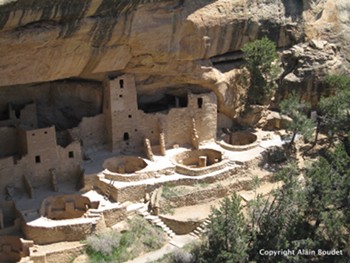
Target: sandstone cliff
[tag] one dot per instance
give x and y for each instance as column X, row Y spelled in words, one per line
column 165, row 43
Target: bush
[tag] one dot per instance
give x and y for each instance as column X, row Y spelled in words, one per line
column 276, row 155
column 181, row 256
column 114, row 247
column 103, row 243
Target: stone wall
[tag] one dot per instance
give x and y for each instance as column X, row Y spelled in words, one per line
column 69, row 232
column 210, row 193
column 137, row 192
column 91, row 132
column 11, row 249
column 8, row 211
column 238, row 148
column 8, row 174
column 138, row 176
column 40, row 154
column 114, row 215
column 127, row 126
column 64, row 206
column 37, row 165
column 8, row 141
column 224, row 122
column 182, row 169
column 180, row 227
column 58, row 256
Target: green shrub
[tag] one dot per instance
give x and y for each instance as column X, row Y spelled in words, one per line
column 182, row 256
column 116, row 247
column 102, row 245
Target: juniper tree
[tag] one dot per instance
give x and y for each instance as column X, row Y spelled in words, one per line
column 227, row 236
column 297, row 110
column 260, row 56
column 334, row 107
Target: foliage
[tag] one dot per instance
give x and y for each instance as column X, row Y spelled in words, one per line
column 260, row 56
column 227, row 238
column 114, row 247
column 337, row 83
column 171, row 192
column 328, row 200
column 182, row 256
column 308, row 212
column 334, row 108
column 103, row 244
column 276, row 223
column 300, row 122
column 276, row 155
column 187, row 254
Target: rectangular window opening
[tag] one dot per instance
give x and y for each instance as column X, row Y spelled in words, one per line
column 37, row 159
column 71, row 154
column 200, row 103
column 126, row 136
column 121, row 83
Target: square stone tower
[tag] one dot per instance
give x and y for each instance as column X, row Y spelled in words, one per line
column 120, row 109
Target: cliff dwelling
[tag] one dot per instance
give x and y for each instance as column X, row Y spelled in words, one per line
column 75, row 180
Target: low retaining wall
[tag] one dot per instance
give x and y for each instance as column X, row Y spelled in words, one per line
column 137, row 176
column 192, row 171
column 137, row 192
column 58, row 233
column 63, row 255
column 237, row 148
column 114, row 215
column 180, row 227
column 210, row 193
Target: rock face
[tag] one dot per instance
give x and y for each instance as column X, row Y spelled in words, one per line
column 305, row 67
column 165, row 43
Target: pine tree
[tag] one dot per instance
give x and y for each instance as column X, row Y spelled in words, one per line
column 227, row 237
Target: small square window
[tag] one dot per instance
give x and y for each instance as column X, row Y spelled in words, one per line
column 37, row 159
column 71, row 154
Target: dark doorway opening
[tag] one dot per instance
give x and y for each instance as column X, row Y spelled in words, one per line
column 200, row 103
column 126, row 136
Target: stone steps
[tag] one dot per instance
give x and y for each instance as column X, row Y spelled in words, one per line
column 201, row 229
column 155, row 220
column 93, row 213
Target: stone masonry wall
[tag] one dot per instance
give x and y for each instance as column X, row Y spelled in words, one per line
column 8, row 141
column 127, row 126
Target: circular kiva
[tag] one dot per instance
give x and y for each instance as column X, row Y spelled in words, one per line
column 239, row 141
column 241, row 138
column 198, row 162
column 124, row 164
column 198, row 158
